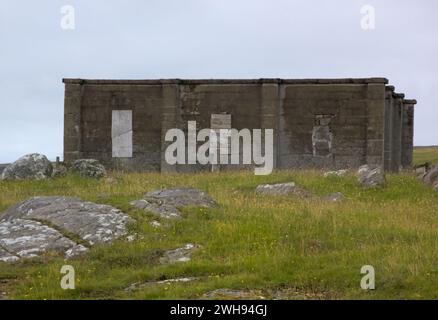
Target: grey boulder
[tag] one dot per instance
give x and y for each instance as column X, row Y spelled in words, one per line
column 167, row 202
column 371, row 177
column 31, row 166
column 89, row 168
column 431, row 177
column 62, row 224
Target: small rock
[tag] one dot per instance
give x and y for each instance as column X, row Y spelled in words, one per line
column 89, row 168
column 59, row 170
column 167, row 202
column 32, row 166
column 371, row 177
column 335, row 197
column 179, row 255
column 420, row 171
column 155, row 224
column 338, row 173
column 431, row 177
column 282, row 189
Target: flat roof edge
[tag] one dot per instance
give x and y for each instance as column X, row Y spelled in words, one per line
column 409, row 101
column 224, row 81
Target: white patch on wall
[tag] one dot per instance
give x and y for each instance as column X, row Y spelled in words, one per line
column 220, row 126
column 121, row 133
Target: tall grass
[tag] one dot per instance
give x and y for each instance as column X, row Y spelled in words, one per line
column 250, row 241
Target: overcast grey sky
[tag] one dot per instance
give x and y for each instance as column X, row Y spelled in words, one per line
column 144, row 39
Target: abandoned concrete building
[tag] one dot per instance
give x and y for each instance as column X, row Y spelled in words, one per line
column 318, row 123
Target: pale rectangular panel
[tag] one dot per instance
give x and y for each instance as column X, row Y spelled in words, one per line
column 121, row 133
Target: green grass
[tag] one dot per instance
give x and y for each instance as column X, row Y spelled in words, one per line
column 250, row 241
column 425, row 154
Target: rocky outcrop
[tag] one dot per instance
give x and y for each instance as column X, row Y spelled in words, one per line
column 371, row 177
column 89, row 168
column 32, row 166
column 63, row 224
column 167, row 202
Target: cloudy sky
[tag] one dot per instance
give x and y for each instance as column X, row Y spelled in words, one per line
column 142, row 39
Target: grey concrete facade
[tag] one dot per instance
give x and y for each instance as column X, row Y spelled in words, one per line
column 318, row 123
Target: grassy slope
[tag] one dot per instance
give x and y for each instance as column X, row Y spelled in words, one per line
column 251, row 241
column 425, row 154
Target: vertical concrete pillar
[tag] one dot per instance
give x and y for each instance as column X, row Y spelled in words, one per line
column 269, row 111
column 389, row 104
column 375, row 124
column 169, row 119
column 72, row 120
column 408, row 133
column 397, row 131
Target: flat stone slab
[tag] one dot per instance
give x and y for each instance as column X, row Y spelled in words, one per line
column 265, row 294
column 335, row 197
column 62, row 224
column 141, row 285
column 182, row 254
column 338, row 173
column 283, row 189
column 167, row 202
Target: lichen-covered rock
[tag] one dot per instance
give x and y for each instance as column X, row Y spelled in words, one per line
column 283, row 189
column 89, row 168
column 371, row 177
column 31, row 166
column 22, row 238
column 61, row 224
column 167, row 202
column 431, row 177
column 94, row 223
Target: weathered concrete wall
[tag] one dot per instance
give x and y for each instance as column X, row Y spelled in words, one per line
column 322, row 123
column 340, row 111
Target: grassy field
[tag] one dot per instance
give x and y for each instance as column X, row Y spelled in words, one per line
column 425, row 154
column 314, row 249
column 251, row 242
